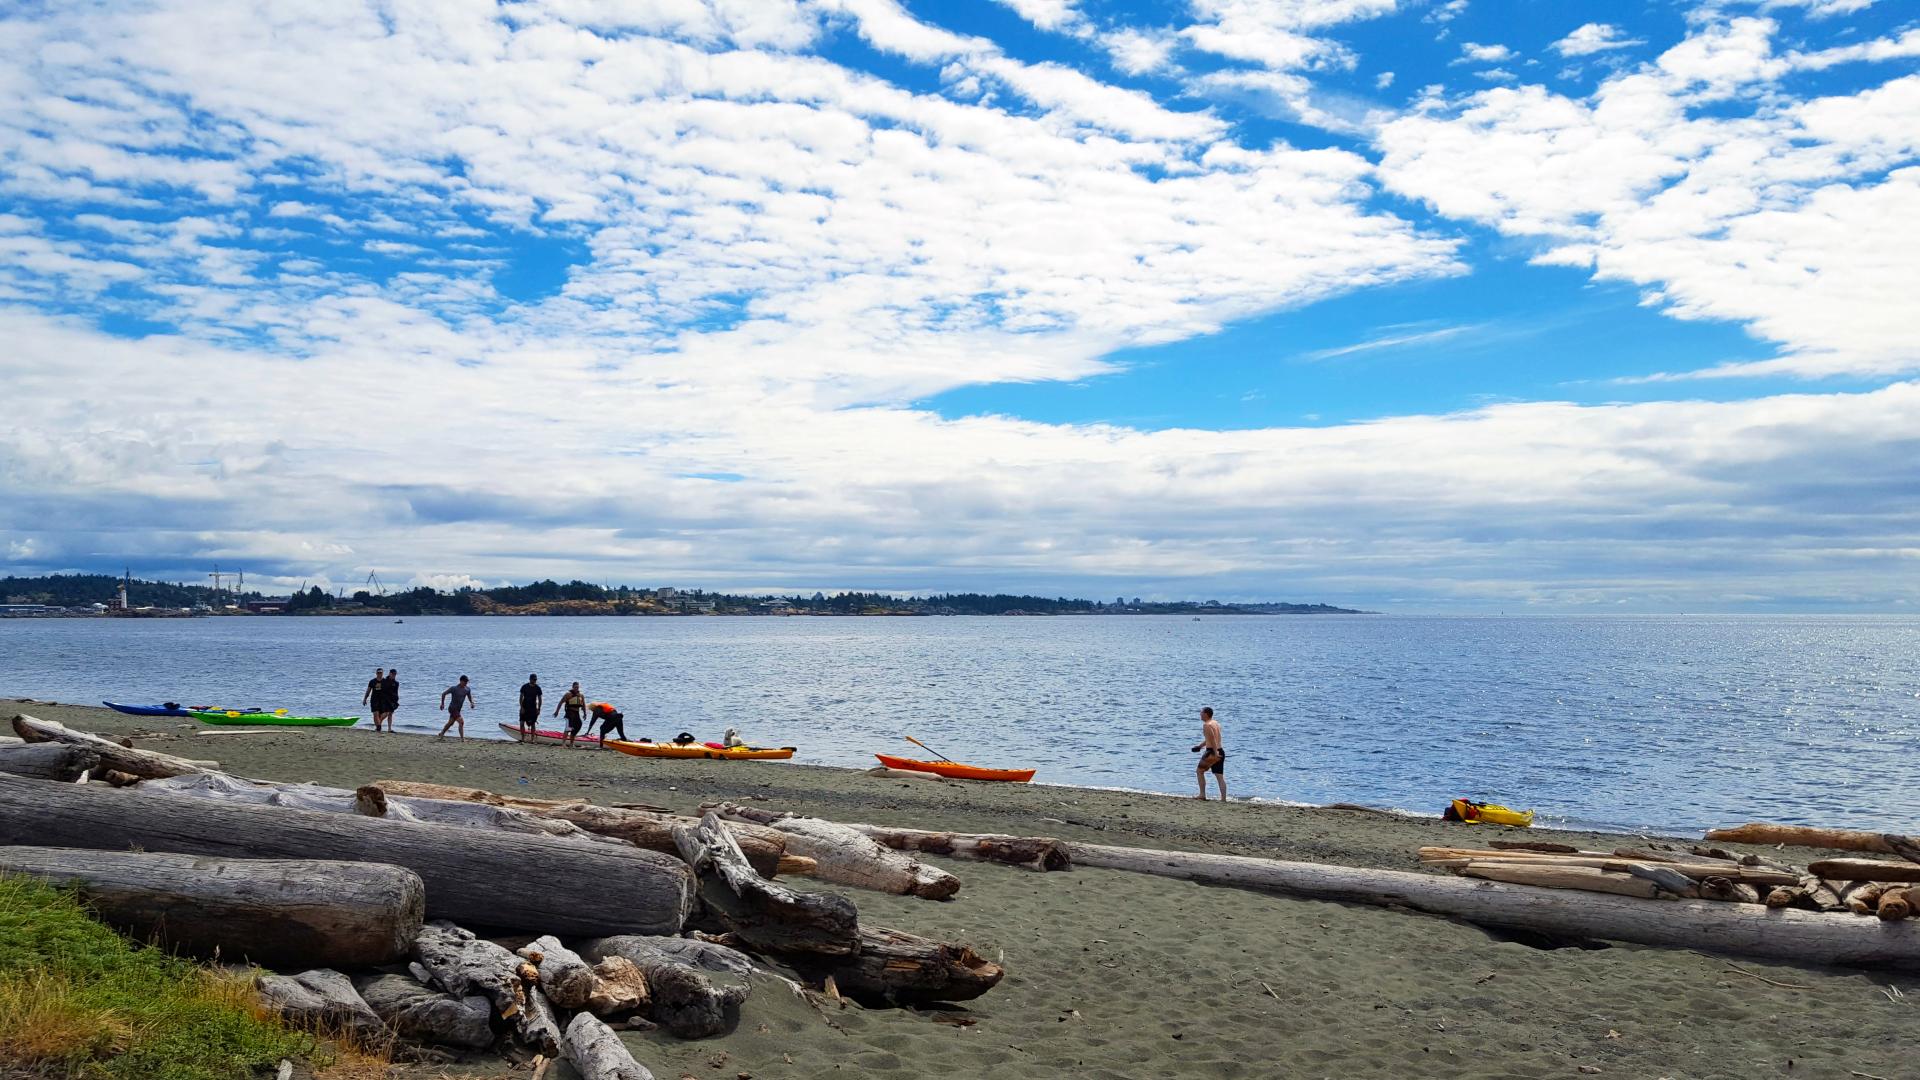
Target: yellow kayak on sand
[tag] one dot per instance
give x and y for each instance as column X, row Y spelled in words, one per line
column 1480, row 813
column 702, row 750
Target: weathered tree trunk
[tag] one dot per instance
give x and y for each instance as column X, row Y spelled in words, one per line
column 763, row 914
column 462, row 963
column 1897, row 903
column 566, row 978
column 424, row 1015
column 367, row 801
column 906, row 774
column 897, row 968
column 1728, row 890
column 1031, row 852
column 1737, row 929
column 1452, row 858
column 59, row 762
column 1865, row 870
column 1586, row 878
column 277, row 913
column 650, row 829
column 537, row 1026
column 696, row 987
column 325, row 1001
column 1864, row 896
column 848, row 856
column 146, row 764
column 474, row 875
column 1759, row 832
column 619, row 989
column 596, row 1053
column 1671, row 881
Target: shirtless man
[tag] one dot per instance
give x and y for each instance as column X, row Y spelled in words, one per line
column 1213, row 755
column 455, row 700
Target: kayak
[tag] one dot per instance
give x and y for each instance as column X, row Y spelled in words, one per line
column 147, row 710
column 701, row 750
column 1479, row 813
column 956, row 770
column 546, row 736
column 233, row 716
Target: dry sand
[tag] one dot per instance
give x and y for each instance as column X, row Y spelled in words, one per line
column 1120, row 975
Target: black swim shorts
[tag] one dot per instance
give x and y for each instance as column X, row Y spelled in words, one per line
column 1215, row 760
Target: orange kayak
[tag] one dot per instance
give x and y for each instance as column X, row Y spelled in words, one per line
column 956, row 770
column 701, row 750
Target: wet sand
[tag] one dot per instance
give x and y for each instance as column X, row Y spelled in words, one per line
column 1121, row 975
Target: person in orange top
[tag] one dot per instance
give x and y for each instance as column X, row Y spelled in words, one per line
column 610, row 719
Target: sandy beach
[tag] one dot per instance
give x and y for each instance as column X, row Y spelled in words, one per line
column 1119, row 975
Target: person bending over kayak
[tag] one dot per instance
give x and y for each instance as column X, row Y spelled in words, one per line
column 455, row 699
column 1214, row 756
column 375, row 691
column 610, row 719
column 530, row 696
column 575, row 703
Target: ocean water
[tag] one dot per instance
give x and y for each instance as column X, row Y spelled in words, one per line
column 1665, row 723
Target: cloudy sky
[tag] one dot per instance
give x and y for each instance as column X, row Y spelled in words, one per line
column 1411, row 304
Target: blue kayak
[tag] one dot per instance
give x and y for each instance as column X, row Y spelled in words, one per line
column 147, row 710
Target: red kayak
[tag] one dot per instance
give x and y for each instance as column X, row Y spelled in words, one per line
column 541, row 735
column 956, row 770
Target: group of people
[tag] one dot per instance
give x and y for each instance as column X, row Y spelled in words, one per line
column 580, row 712
column 382, row 697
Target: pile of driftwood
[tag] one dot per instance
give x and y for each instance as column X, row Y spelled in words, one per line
column 458, row 918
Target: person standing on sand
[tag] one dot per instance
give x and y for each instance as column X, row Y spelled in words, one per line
column 530, row 696
column 575, row 703
column 1214, row 757
column 372, row 697
column 455, row 699
column 389, row 701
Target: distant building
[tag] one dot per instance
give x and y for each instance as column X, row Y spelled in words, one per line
column 267, row 607
column 25, row 609
column 667, row 593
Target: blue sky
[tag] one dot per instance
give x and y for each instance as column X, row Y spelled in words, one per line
column 1403, row 303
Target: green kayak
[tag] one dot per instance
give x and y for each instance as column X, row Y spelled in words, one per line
column 251, row 718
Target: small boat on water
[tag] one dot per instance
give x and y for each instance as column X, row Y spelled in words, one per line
column 957, row 771
column 234, row 716
column 702, row 750
column 544, row 735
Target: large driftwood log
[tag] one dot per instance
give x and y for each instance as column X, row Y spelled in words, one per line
column 696, row 987
column 1699, row 871
column 596, row 1053
column 847, row 856
column 1030, row 852
column 1585, row 878
column 277, row 912
column 146, row 764
column 762, row 913
column 59, row 762
column 564, row 976
column 650, row 829
column 424, row 1015
column 1760, row 832
column 476, row 876
column 537, row 1026
column 897, row 968
column 460, row 962
column 1865, row 870
column 367, row 802
column 324, row 1001
column 1736, row 929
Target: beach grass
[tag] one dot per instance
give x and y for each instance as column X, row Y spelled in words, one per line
column 78, row 1000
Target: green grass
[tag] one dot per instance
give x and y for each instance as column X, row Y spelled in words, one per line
column 78, row 1000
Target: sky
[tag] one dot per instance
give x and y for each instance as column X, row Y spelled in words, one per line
column 1413, row 305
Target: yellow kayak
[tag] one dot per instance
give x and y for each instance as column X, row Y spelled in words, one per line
column 1480, row 813
column 702, row 750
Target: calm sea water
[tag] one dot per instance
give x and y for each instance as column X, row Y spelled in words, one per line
column 1672, row 723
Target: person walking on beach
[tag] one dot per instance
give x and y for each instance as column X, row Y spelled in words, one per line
column 389, row 701
column 455, row 699
column 374, row 695
column 1213, row 755
column 611, row 719
column 575, row 703
column 530, row 696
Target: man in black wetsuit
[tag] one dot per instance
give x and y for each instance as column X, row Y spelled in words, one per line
column 611, row 719
column 530, row 705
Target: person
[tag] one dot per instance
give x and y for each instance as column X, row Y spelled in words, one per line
column 575, row 703
column 1214, row 756
column 611, row 719
column 455, row 699
column 390, row 696
column 372, row 697
column 530, row 696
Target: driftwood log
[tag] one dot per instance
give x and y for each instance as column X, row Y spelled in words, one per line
column 897, row 968
column 324, row 1001
column 1865, row 870
column 696, row 987
column 59, row 762
column 619, row 988
column 1030, row 852
column 1759, row 832
column 462, row 963
column 650, row 829
column 476, row 876
column 421, row 1014
column 1586, row 878
column 367, row 802
column 848, row 856
column 146, row 764
column 273, row 912
column 566, row 979
column 762, row 913
column 596, row 1053
column 537, row 1025
column 1897, row 903
column 1733, row 929
column 1455, row 858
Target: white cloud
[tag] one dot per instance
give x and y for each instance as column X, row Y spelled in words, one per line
column 1592, row 38
column 1484, row 54
column 1383, row 80
column 1821, row 9
column 1278, row 34
column 1137, row 52
column 1058, row 15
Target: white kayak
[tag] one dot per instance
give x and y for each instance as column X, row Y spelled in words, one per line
column 545, row 735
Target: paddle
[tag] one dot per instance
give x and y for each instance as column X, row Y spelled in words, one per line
column 930, row 750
